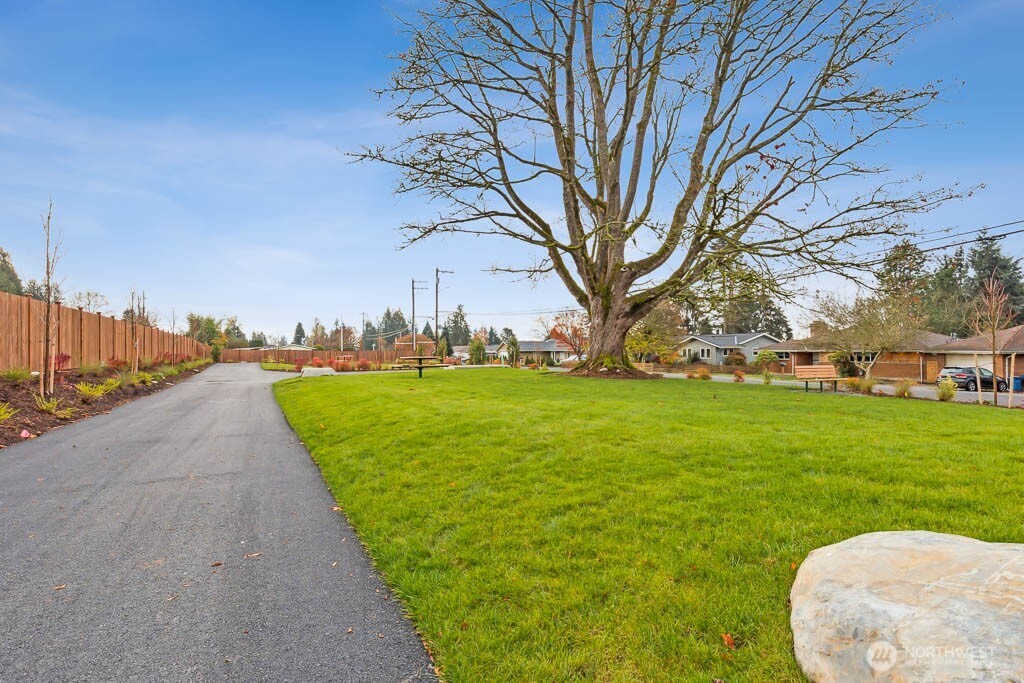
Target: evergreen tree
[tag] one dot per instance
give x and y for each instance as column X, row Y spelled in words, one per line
column 507, row 333
column 369, row 337
column 459, row 333
column 988, row 260
column 947, row 301
column 300, row 334
column 427, row 331
column 772, row 319
column 492, row 336
column 904, row 272
column 9, row 280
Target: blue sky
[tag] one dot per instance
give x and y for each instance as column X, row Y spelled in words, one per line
column 195, row 150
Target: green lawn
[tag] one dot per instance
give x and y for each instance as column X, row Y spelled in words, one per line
column 542, row 527
column 274, row 365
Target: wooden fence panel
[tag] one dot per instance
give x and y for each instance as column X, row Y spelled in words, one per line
column 293, row 355
column 88, row 338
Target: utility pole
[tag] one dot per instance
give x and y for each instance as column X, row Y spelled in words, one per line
column 437, row 306
column 362, row 335
column 412, row 341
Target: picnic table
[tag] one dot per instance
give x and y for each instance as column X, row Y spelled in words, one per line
column 421, row 362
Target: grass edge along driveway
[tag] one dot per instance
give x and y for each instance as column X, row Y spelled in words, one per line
column 543, row 527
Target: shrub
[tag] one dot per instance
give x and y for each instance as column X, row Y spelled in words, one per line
column 765, row 359
column 867, row 386
column 298, row 365
column 736, row 357
column 902, row 389
column 7, row 412
column 146, row 363
column 344, row 366
column 111, row 384
column 169, row 370
column 16, row 375
column 215, row 352
column 739, row 376
column 89, row 392
column 92, row 369
column 126, row 379
column 946, row 390
column 766, row 376
column 317, row 362
column 61, row 362
column 117, row 363
column 852, row 384
column 703, row 373
column 690, row 374
column 451, row 361
column 52, row 406
column 364, row 365
column 145, row 378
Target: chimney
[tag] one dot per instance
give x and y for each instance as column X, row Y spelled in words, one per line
column 818, row 328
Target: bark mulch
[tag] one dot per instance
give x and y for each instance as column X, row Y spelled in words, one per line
column 29, row 418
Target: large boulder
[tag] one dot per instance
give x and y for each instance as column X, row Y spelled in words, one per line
column 910, row 606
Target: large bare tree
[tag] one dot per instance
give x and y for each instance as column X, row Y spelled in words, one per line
column 642, row 146
column 992, row 314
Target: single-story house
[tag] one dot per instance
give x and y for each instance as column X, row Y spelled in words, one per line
column 713, row 349
column 538, row 351
column 460, row 352
column 963, row 352
column 919, row 360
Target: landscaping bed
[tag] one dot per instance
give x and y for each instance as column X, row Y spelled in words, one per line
column 543, row 527
column 80, row 393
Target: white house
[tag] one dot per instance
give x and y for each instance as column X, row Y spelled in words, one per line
column 713, row 349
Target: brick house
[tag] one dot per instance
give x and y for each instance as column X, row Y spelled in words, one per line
column 920, row 360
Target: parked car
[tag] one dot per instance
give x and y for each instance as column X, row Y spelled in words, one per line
column 964, row 378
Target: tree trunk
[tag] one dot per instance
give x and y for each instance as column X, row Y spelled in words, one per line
column 1009, row 379
column 606, row 355
column 977, row 379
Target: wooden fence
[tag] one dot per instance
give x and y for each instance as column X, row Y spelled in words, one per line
column 88, row 338
column 293, row 355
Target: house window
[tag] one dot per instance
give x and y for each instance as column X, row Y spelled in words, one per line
column 863, row 357
column 783, row 355
column 705, row 353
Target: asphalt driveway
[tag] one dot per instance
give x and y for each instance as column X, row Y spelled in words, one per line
column 188, row 536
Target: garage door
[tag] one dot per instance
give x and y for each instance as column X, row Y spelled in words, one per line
column 967, row 360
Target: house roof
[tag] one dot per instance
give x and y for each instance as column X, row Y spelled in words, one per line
column 548, row 345
column 420, row 339
column 923, row 341
column 1010, row 340
column 725, row 341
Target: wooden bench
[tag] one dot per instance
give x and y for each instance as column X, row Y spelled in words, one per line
column 819, row 374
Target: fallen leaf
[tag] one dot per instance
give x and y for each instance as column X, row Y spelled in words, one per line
column 216, row 564
column 380, row 635
column 25, row 434
column 792, row 565
column 348, row 630
column 334, row 564
column 251, row 555
column 60, row 587
column 336, row 508
column 729, row 642
column 323, row 427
